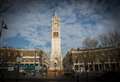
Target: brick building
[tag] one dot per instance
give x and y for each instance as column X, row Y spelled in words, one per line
column 90, row 60
column 25, row 58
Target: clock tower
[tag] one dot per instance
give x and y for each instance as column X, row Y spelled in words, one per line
column 56, row 56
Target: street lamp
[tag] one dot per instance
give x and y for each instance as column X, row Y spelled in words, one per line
column 2, row 26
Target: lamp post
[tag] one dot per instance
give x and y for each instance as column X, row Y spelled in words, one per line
column 2, row 26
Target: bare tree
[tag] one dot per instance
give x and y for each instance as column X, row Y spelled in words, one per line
column 90, row 42
column 110, row 39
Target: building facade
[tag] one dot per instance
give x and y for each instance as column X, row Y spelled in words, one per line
column 34, row 59
column 92, row 60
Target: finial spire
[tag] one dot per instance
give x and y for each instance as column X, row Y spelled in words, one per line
column 54, row 9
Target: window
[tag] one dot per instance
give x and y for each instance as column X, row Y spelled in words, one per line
column 76, row 67
column 55, row 34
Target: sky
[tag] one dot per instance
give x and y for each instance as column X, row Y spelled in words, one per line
column 29, row 22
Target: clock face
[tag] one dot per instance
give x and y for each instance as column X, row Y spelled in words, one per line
column 56, row 24
column 55, row 34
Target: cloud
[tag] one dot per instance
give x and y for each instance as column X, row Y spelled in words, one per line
column 79, row 19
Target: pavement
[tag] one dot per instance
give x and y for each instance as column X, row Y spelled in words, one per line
column 82, row 77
